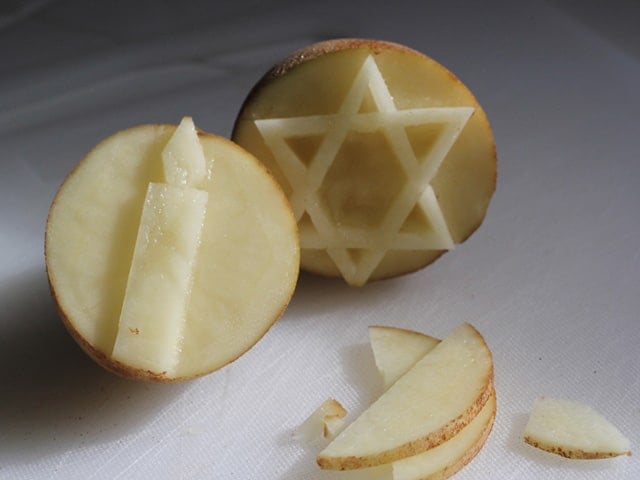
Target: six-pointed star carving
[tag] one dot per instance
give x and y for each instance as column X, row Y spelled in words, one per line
column 306, row 175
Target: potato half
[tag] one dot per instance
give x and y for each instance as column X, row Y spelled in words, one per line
column 387, row 158
column 221, row 261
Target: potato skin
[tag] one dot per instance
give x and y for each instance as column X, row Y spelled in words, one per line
column 573, row 453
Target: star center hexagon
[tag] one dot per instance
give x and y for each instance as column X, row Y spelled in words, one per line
column 362, row 181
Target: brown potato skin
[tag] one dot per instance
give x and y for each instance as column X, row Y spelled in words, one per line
column 311, row 52
column 575, row 454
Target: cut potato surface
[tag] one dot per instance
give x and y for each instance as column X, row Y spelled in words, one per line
column 433, row 401
column 152, row 320
column 440, row 462
column 573, row 430
column 169, row 252
column 394, row 359
column 153, row 313
column 387, row 159
column 451, row 456
column 396, row 350
column 183, row 160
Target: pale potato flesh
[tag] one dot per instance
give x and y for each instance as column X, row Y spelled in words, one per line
column 396, row 350
column 183, row 160
column 387, row 158
column 247, row 259
column 150, row 331
column 449, row 457
column 324, row 423
column 573, row 430
column 440, row 462
column 153, row 316
column 436, row 398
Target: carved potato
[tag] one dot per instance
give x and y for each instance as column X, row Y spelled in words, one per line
column 170, row 252
column 387, row 158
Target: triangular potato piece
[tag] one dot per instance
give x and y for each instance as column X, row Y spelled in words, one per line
column 573, row 430
column 441, row 394
column 396, row 350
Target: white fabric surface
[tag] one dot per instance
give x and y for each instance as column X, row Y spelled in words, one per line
column 552, row 278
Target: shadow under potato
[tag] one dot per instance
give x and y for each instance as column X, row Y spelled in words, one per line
column 54, row 398
column 319, row 294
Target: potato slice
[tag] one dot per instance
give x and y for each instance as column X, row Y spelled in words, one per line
column 221, row 292
column 387, row 158
column 152, row 320
column 573, row 430
column 451, row 456
column 441, row 394
column 440, row 462
column 396, row 350
column 183, row 160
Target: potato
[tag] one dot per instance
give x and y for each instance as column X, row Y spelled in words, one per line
column 170, row 252
column 574, row 430
column 324, row 423
column 396, row 350
column 387, row 158
column 422, row 409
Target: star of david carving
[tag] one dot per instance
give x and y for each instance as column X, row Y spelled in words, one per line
column 307, row 175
